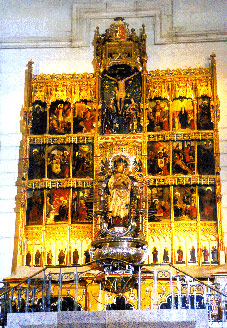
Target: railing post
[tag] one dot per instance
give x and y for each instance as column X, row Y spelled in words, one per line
column 209, row 304
column 43, row 292
column 179, row 293
column 19, row 299
column 188, row 294
column 155, row 289
column 27, row 296
column 33, row 297
column 139, row 290
column 60, row 291
column 172, row 290
column 194, row 293
column 11, row 301
column 4, row 312
column 76, row 279
column 48, row 293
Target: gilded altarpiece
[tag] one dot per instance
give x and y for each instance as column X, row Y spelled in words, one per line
column 162, row 125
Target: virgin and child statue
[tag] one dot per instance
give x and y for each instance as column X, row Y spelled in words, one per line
column 119, row 193
column 119, row 188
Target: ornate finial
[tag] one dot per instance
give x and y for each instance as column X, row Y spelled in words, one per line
column 142, row 33
column 29, row 64
column 213, row 60
column 97, row 30
column 119, row 19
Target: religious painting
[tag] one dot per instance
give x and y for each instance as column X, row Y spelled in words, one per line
column 58, row 162
column 158, row 115
column 205, row 157
column 82, row 166
column 180, row 256
column 36, row 168
column 35, row 203
column 204, row 121
column 207, row 203
column 121, row 91
column 82, row 205
column 192, row 255
column 183, row 157
column 182, row 115
column 57, row 205
column 184, row 203
column 83, row 117
column 158, row 158
column 158, row 204
column 60, row 117
column 39, row 118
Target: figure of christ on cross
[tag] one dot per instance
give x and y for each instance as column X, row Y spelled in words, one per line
column 120, row 89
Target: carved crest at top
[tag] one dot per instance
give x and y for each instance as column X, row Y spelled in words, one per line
column 119, row 30
column 119, row 45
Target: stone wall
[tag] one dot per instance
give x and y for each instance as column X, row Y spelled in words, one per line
column 57, row 36
column 111, row 319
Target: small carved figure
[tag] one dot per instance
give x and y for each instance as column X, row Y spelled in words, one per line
column 37, row 258
column 155, row 255
column 132, row 115
column 166, row 255
column 49, row 258
column 192, row 255
column 205, row 254
column 28, row 258
column 61, row 257
column 113, row 115
column 75, row 256
column 214, row 254
column 87, row 256
column 180, row 254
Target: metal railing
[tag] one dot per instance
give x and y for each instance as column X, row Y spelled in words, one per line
column 91, row 287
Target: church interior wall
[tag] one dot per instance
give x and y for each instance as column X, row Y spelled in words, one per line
column 56, row 55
